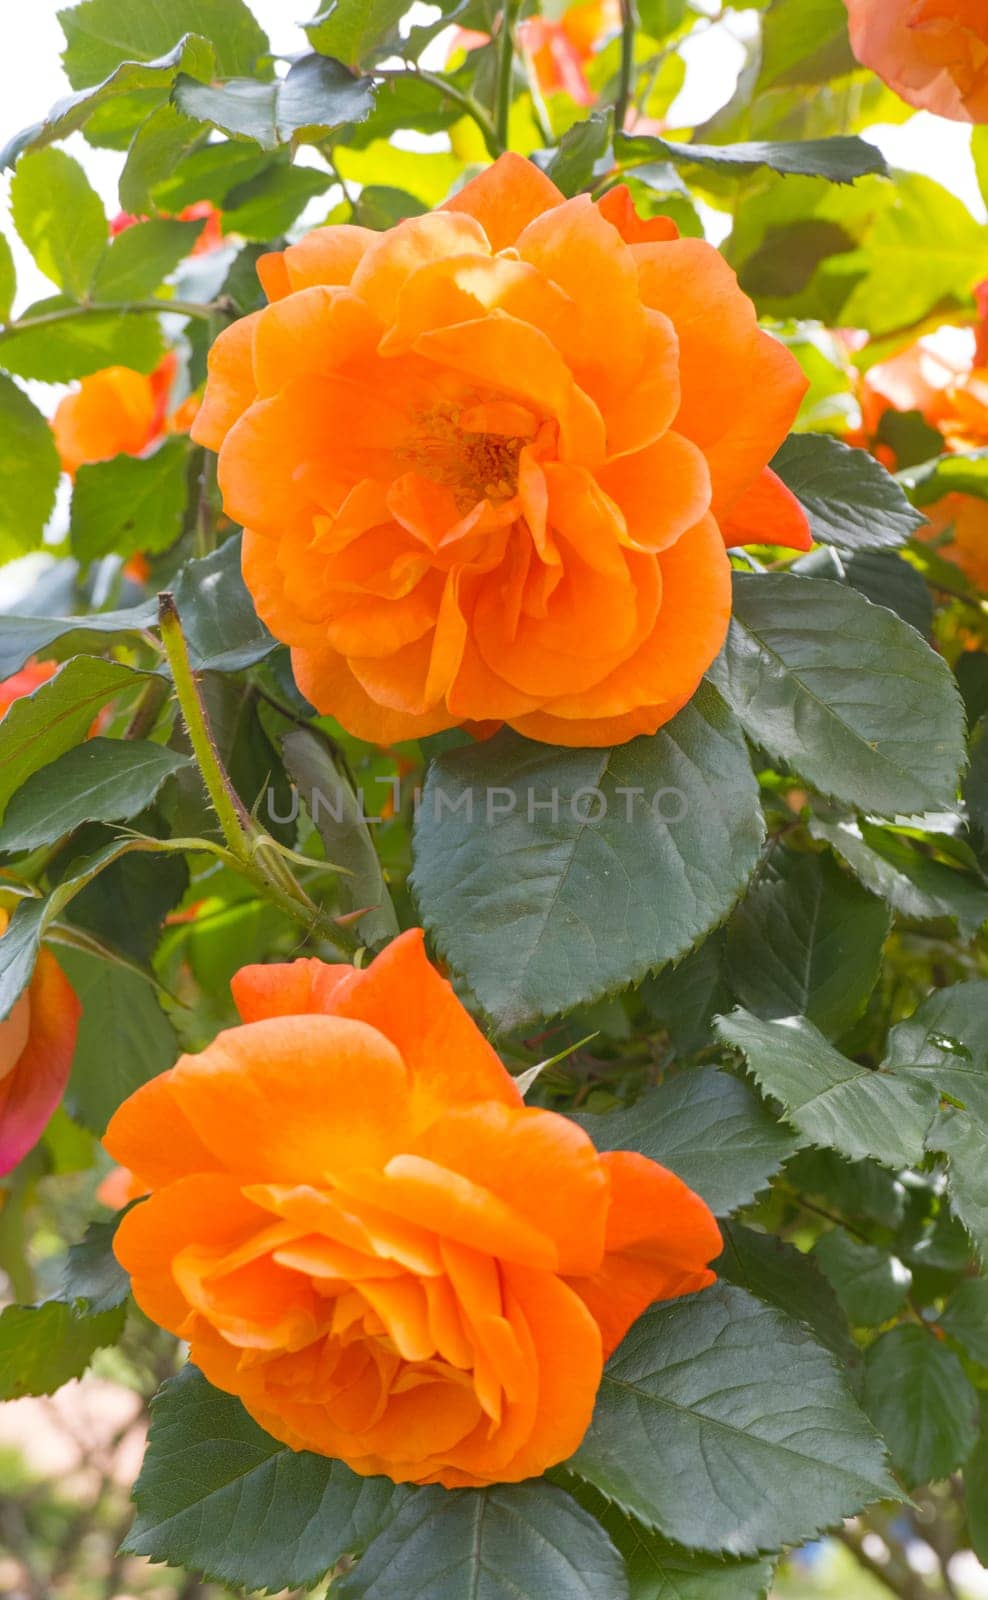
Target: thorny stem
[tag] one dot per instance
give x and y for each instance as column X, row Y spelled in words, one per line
column 629, row 22
column 505, row 72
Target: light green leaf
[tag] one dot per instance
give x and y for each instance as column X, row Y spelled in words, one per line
column 913, row 883
column 317, row 95
column 799, row 651
column 513, row 1541
column 582, row 146
column 841, row 159
column 141, row 257
column 945, row 1043
column 267, row 205
column 8, row 278
column 103, row 780
column 154, row 152
column 707, row 1127
column 337, row 814
column 99, row 34
column 29, row 472
column 551, row 877
column 719, row 1421
column 130, row 503
column 806, row 941
column 804, row 42
column 23, row 636
column 832, row 1101
column 222, row 629
column 965, row 1318
column 355, row 30
column 954, row 474
column 124, row 1039
column 42, row 1347
column 920, row 1401
column 60, row 218
column 871, row 1284
column 849, row 498
column 54, row 342
column 220, row 1496
column 41, row 726
column 93, row 1279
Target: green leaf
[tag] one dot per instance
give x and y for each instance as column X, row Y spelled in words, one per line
column 22, row 637
column 141, row 257
column 8, row 278
column 126, row 903
column 832, row 1101
column 551, row 877
column 965, row 1318
column 720, row 1422
column 101, row 33
column 124, row 1040
column 43, row 346
column 103, row 780
column 513, row 1541
column 976, row 1480
column 658, row 1570
column 913, row 883
column 581, row 147
column 41, row 726
column 920, row 1401
column 887, row 580
column 951, row 474
column 798, row 654
column 961, row 1138
column 267, row 205
column 337, row 814
column 42, row 1347
column 707, row 1127
column 29, row 472
column 871, row 1285
column 355, row 30
column 806, row 941
column 945, row 1043
column 154, row 152
column 222, row 629
column 130, row 503
column 220, row 1496
column 790, row 1280
column 193, row 55
column 840, row 160
column 685, row 998
column 849, row 498
column 804, row 42
column 976, row 780
column 60, row 218
column 317, row 95
column 19, row 948
column 93, row 1279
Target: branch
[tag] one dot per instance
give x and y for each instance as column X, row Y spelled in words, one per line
column 629, row 22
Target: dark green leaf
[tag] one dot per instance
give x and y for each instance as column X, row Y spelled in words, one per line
column 720, row 1422
column 658, row 1570
column 126, row 903
column 42, row 1347
column 513, row 1541
column 60, row 218
column 976, row 779
column 833, row 1101
column 317, row 95
column 790, row 1280
column 707, row 1127
column 155, row 150
column 882, row 577
column 19, row 948
column 849, row 498
column 24, row 636
column 922, row 1404
column 575, row 158
column 130, row 503
column 871, row 1284
column 945, row 1043
column 124, row 1040
column 222, row 629
column 976, row 1488
column 841, row 160
column 797, row 655
column 41, row 726
column 267, row 205
column 101, row 33
column 337, row 813
column 551, row 877
column 913, row 883
column 141, row 257
column 806, row 941
column 29, row 472
column 103, row 780
column 43, row 346
column 92, row 1274
column 961, row 1139
column 686, row 998
column 220, row 1496
column 965, row 1318
column 355, row 30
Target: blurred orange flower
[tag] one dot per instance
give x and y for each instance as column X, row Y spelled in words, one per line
column 211, row 237
column 488, row 461
column 365, row 1234
column 37, row 1042
column 30, row 677
column 560, row 49
column 933, row 53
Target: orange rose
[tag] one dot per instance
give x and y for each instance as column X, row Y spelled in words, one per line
column 211, row 237
column 561, row 49
column 37, row 1043
column 933, row 53
column 965, row 517
column 488, row 461
column 114, row 412
column 364, row 1233
column 31, row 676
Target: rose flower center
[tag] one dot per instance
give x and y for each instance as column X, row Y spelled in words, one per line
column 474, row 449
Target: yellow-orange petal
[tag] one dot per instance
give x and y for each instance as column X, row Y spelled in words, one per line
column 151, row 1136
column 289, row 989
column 231, row 387
column 619, row 209
column 505, row 198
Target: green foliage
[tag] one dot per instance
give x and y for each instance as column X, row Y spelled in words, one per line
column 28, row 472
column 119, row 1004
column 42, row 1347
column 92, row 1278
column 104, row 780
column 130, row 503
column 222, row 629
column 317, row 95
column 60, row 218
column 918, row 1396
column 839, row 160
column 99, row 33
column 355, row 30
column 850, row 500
